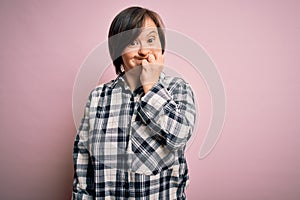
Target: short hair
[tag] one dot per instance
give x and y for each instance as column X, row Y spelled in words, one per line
column 125, row 28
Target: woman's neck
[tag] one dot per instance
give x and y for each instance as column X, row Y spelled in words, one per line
column 132, row 80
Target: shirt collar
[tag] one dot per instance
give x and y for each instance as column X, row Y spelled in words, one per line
column 119, row 80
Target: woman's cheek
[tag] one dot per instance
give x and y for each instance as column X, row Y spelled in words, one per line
column 159, row 57
column 133, row 62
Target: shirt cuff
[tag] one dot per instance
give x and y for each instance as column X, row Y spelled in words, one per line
column 153, row 102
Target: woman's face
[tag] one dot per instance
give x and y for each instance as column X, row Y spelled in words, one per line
column 145, row 44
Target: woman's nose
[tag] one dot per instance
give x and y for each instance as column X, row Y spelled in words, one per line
column 143, row 51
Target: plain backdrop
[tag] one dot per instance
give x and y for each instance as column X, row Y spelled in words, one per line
column 254, row 44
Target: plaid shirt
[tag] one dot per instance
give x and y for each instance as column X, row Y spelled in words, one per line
column 130, row 145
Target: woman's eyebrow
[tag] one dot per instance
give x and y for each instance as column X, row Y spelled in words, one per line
column 151, row 33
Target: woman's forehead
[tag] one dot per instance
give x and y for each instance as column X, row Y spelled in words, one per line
column 149, row 27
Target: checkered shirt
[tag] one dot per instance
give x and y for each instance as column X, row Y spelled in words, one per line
column 130, row 145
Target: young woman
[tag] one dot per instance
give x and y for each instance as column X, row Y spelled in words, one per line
column 132, row 138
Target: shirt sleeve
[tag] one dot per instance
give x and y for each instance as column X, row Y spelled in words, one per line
column 83, row 184
column 169, row 113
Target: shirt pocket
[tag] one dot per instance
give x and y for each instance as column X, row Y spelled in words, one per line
column 97, row 122
column 150, row 156
column 95, row 132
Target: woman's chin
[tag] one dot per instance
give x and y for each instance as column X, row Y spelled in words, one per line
column 134, row 70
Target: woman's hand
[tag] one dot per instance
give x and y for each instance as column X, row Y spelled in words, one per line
column 151, row 69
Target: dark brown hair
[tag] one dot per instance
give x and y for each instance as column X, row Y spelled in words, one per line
column 125, row 28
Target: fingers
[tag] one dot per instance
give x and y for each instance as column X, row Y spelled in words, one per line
column 151, row 59
column 144, row 62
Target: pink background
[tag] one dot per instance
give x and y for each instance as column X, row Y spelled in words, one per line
column 255, row 45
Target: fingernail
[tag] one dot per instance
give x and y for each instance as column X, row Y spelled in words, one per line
column 144, row 62
column 151, row 56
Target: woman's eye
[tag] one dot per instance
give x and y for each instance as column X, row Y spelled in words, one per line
column 133, row 43
column 151, row 40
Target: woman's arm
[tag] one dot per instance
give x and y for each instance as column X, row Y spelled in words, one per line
column 83, row 185
column 170, row 114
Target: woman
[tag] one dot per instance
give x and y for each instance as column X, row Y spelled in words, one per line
column 132, row 138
